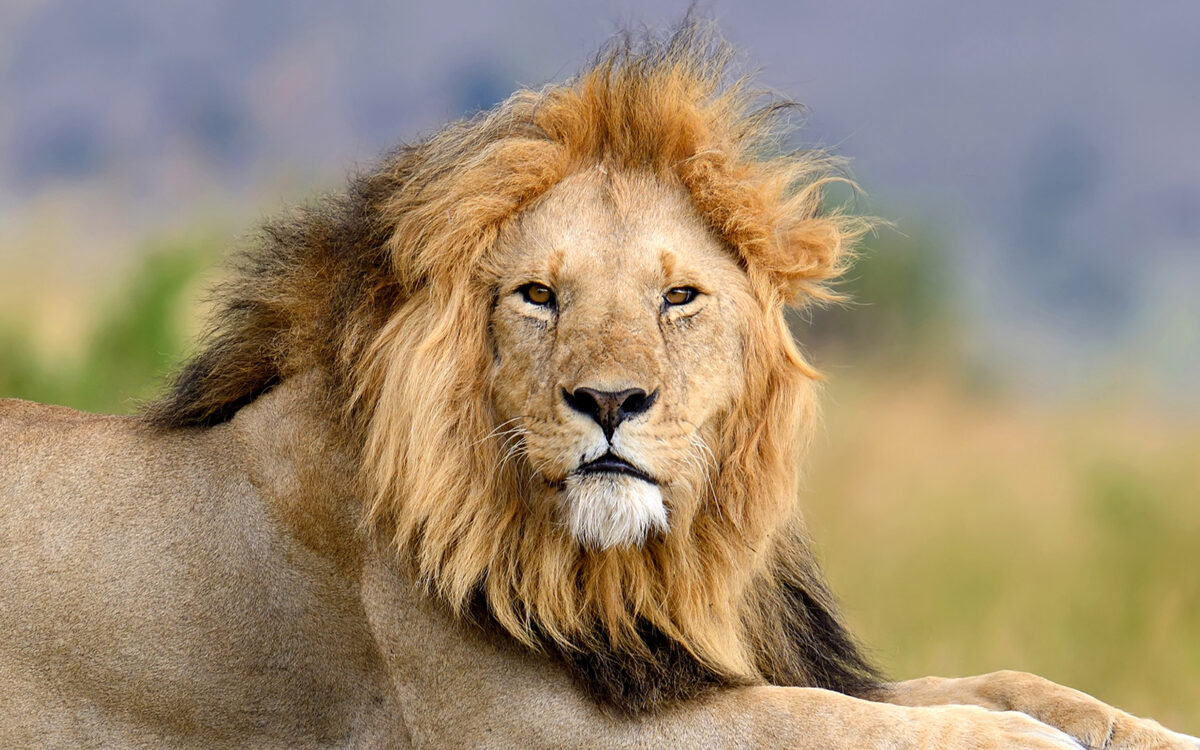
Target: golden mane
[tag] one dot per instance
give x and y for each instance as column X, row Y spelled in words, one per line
column 383, row 290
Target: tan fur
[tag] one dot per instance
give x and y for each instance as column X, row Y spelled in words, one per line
column 308, row 541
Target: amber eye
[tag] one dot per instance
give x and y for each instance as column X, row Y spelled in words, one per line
column 680, row 295
column 538, row 294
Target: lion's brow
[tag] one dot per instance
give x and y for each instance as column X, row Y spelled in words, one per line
column 555, row 263
column 668, row 261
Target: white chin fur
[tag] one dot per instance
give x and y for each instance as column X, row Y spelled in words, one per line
column 609, row 510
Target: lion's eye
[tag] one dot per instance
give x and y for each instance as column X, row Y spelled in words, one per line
column 538, row 294
column 680, row 295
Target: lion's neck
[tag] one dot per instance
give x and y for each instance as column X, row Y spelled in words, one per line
column 303, row 467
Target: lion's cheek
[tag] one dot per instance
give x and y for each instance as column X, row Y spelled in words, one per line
column 521, row 382
column 709, row 358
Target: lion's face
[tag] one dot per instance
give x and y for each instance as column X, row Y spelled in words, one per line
column 618, row 333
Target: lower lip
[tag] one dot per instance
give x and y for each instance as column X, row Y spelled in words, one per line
column 613, row 467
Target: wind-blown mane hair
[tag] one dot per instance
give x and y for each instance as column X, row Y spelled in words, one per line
column 383, row 289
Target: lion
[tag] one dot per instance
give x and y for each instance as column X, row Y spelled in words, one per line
column 498, row 448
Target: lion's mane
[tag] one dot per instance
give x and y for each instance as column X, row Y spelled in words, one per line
column 381, row 290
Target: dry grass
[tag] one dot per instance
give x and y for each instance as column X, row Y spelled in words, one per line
column 967, row 534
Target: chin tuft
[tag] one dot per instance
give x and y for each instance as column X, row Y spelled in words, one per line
column 613, row 510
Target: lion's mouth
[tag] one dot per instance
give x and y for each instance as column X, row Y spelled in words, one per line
column 610, row 463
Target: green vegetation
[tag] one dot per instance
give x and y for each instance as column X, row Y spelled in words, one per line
column 899, row 307
column 135, row 338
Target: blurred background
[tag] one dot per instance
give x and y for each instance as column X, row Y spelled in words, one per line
column 1009, row 474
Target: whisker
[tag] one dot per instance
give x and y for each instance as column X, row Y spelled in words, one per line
column 496, row 430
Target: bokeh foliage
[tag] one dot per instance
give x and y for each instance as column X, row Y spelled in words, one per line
column 136, row 335
column 897, row 305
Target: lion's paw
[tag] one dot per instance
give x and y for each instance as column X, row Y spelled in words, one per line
column 1095, row 724
column 1131, row 733
column 974, row 728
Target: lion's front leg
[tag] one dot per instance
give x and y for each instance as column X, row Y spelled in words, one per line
column 1095, row 724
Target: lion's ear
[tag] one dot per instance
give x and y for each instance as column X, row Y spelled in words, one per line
column 810, row 254
column 775, row 215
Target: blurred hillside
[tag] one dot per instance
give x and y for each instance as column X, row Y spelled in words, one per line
column 1051, row 145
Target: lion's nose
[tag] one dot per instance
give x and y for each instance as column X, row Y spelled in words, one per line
column 609, row 408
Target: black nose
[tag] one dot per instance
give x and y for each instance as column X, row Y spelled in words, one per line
column 609, row 408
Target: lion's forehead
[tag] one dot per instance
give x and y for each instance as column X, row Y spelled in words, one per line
column 604, row 235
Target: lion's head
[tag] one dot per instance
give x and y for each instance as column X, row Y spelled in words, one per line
column 618, row 331
column 555, row 338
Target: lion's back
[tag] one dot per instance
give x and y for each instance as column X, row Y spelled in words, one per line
column 62, row 463
column 142, row 562
column 29, row 430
